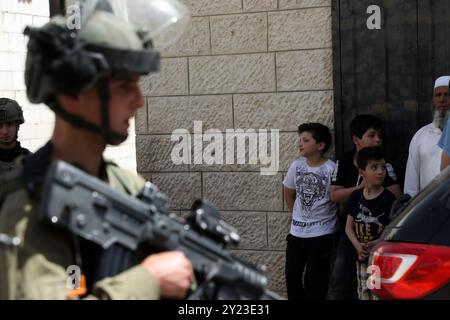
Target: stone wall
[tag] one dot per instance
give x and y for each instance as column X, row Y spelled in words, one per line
column 243, row 64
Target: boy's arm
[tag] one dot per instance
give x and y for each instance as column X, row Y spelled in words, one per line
column 395, row 189
column 350, row 231
column 289, row 196
column 339, row 194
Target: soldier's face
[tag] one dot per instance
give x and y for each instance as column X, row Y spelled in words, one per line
column 125, row 100
column 8, row 133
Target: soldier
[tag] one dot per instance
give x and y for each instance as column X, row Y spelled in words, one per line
column 89, row 78
column 11, row 117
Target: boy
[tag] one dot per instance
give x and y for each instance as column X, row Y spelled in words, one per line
column 314, row 220
column 366, row 131
column 368, row 211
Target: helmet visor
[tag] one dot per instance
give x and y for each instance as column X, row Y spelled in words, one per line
column 161, row 21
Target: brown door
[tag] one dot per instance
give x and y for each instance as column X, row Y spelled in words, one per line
column 56, row 7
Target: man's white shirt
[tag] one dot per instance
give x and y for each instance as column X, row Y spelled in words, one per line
column 424, row 159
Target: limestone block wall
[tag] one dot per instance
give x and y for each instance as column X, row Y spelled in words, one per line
column 242, row 64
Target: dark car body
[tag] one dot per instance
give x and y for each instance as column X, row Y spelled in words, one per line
column 413, row 256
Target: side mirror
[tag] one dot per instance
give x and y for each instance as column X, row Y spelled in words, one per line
column 398, row 205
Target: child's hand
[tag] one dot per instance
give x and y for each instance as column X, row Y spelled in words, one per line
column 372, row 244
column 363, row 251
column 363, row 257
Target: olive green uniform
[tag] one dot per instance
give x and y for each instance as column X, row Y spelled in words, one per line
column 11, row 111
column 36, row 269
column 8, row 157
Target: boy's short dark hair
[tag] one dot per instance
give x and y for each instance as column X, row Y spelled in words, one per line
column 367, row 154
column 319, row 132
column 364, row 122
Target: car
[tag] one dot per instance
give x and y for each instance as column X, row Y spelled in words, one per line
column 412, row 259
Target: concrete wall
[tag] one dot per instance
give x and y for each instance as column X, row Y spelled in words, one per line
column 248, row 64
column 39, row 120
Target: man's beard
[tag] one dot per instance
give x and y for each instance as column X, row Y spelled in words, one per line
column 440, row 118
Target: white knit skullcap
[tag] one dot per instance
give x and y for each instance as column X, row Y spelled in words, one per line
column 442, row 81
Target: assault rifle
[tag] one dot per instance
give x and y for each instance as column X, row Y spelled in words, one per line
column 123, row 225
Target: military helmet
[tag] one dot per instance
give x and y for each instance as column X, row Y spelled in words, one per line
column 60, row 62
column 67, row 56
column 10, row 110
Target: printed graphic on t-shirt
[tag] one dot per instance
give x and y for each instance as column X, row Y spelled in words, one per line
column 311, row 187
column 367, row 226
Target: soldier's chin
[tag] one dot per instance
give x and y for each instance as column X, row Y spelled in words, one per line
column 117, row 141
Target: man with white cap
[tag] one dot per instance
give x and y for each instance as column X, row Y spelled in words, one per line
column 424, row 155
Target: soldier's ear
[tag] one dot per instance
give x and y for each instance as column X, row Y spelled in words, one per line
column 69, row 103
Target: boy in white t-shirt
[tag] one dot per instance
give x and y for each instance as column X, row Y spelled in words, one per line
column 314, row 220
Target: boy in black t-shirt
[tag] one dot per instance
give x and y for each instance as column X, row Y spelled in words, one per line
column 366, row 131
column 368, row 211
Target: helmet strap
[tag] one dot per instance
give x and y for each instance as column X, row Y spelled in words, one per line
column 110, row 136
column 104, row 101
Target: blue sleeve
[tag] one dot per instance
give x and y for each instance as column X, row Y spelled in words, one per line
column 444, row 142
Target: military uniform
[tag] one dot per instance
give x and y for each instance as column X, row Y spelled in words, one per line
column 11, row 111
column 62, row 61
column 8, row 157
column 36, row 269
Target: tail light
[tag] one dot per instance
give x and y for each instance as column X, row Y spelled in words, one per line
column 408, row 270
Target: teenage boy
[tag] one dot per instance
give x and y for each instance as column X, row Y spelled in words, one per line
column 366, row 131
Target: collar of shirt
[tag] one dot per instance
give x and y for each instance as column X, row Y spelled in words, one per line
column 36, row 165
